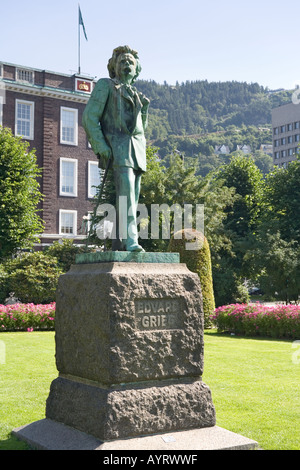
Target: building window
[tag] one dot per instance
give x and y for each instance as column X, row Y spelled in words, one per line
column 67, row 222
column 68, row 177
column 24, row 119
column 25, row 76
column 290, row 139
column 296, row 125
column 297, row 138
column 283, row 153
column 69, row 126
column 94, row 177
column 276, row 143
column 290, row 152
column 290, row 127
column 276, row 131
column 283, row 141
column 277, row 154
column 282, row 129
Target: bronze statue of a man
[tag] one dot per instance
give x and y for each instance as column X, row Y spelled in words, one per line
column 115, row 119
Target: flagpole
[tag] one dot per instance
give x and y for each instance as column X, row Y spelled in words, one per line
column 80, row 23
column 79, row 68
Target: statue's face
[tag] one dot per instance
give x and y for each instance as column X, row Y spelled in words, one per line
column 126, row 67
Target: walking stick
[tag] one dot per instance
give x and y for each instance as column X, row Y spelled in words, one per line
column 97, row 202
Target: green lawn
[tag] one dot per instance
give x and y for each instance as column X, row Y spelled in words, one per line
column 25, row 378
column 256, row 388
column 254, row 383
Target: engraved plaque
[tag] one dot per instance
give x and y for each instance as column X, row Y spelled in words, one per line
column 158, row 314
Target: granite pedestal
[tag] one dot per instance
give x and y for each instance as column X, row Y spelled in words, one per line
column 129, row 349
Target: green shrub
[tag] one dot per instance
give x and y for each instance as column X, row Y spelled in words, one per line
column 197, row 261
column 33, row 277
column 65, row 252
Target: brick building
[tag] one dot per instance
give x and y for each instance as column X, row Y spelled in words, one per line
column 45, row 108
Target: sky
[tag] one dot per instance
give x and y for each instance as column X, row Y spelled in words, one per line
column 215, row 40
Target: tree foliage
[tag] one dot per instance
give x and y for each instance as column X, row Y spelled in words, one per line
column 276, row 254
column 19, row 195
column 240, row 223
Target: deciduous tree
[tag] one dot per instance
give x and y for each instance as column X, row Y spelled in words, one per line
column 19, row 195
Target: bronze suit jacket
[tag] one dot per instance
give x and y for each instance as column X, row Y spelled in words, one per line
column 115, row 115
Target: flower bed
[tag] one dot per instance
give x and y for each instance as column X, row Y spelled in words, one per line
column 279, row 321
column 27, row 317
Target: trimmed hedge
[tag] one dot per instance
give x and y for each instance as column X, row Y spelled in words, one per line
column 31, row 278
column 280, row 321
column 198, row 261
column 27, row 317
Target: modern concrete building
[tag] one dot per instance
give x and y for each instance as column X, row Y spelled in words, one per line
column 286, row 133
column 45, row 108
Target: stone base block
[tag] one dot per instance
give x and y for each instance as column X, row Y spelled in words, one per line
column 50, row 435
column 129, row 411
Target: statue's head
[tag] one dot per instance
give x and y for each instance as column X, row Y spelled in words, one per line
column 120, row 53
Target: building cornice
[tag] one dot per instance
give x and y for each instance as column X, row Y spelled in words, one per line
column 58, row 236
column 46, row 92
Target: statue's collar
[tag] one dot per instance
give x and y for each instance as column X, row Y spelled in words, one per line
column 129, row 92
column 119, row 84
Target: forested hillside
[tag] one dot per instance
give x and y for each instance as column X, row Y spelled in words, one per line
column 199, row 107
column 195, row 117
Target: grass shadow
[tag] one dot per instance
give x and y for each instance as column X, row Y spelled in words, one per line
column 237, row 336
column 12, row 443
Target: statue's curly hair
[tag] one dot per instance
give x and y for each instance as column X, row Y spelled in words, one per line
column 113, row 60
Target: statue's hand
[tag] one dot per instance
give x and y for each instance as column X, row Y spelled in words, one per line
column 144, row 100
column 105, row 153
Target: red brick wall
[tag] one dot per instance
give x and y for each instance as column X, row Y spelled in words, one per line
column 53, row 151
column 49, row 150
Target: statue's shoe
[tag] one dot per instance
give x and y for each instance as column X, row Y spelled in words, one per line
column 135, row 247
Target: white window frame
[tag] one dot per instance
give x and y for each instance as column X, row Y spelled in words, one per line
column 24, row 76
column 75, row 185
column 74, row 213
column 75, row 113
column 31, row 127
column 90, row 189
